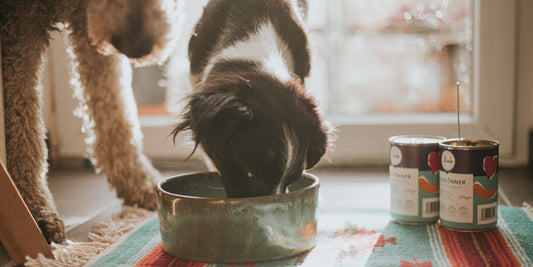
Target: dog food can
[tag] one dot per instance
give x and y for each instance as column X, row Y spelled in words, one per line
column 414, row 178
column 469, row 184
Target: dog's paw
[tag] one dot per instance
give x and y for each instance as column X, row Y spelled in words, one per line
column 140, row 189
column 142, row 198
column 52, row 227
column 136, row 186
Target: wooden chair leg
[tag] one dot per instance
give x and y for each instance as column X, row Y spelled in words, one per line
column 19, row 232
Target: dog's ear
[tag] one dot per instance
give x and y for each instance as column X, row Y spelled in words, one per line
column 322, row 135
column 208, row 107
column 213, row 116
column 317, row 148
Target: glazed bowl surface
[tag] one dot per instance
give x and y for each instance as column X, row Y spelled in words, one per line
column 197, row 222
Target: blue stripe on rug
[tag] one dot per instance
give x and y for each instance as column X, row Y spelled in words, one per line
column 132, row 248
column 517, row 228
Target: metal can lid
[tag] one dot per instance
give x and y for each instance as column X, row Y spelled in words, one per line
column 415, row 139
column 469, row 144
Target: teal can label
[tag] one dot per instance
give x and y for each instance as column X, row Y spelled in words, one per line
column 414, row 178
column 469, row 184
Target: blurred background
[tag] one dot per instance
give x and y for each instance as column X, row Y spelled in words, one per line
column 380, row 68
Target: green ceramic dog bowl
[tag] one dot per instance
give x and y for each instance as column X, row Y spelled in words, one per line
column 198, row 223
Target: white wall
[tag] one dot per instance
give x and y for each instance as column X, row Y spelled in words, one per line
column 64, row 128
column 2, row 132
column 525, row 76
column 525, row 69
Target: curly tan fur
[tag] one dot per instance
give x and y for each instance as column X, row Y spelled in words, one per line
column 101, row 82
column 108, row 17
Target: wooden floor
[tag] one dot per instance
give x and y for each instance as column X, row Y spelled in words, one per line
column 84, row 198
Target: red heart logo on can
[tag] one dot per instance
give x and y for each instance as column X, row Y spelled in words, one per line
column 490, row 165
column 434, row 161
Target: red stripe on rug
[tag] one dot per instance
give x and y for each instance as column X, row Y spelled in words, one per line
column 500, row 249
column 477, row 249
column 455, row 254
column 158, row 257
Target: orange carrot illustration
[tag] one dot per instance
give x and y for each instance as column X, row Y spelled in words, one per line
column 427, row 186
column 484, row 193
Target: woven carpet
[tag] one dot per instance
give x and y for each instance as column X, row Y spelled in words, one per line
column 364, row 238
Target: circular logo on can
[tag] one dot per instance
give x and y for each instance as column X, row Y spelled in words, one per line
column 395, row 155
column 447, row 160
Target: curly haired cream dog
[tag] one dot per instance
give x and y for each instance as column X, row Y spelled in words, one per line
column 250, row 111
column 101, row 33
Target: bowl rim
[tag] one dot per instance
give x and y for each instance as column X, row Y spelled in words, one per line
column 315, row 184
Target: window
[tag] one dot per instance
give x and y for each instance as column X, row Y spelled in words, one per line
column 399, row 56
column 380, row 68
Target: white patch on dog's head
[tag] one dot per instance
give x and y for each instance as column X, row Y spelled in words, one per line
column 157, row 23
column 275, row 65
column 264, row 46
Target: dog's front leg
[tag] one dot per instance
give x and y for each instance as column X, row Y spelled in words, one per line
column 110, row 119
column 24, row 40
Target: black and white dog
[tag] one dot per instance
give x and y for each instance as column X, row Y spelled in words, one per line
column 249, row 110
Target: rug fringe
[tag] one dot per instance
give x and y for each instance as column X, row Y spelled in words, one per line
column 528, row 209
column 103, row 235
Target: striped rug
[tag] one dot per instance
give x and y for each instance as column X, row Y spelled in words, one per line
column 511, row 244
column 365, row 238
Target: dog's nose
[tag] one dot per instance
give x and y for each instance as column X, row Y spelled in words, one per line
column 132, row 46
